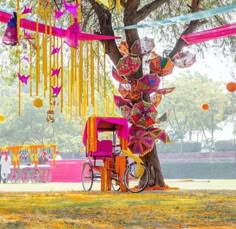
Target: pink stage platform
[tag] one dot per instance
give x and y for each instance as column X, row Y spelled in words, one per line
column 67, row 170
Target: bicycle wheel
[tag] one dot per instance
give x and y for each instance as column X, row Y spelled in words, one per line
column 47, row 176
column 24, row 176
column 15, row 176
column 87, row 176
column 132, row 181
column 35, row 176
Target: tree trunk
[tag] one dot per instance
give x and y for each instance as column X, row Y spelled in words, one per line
column 151, row 160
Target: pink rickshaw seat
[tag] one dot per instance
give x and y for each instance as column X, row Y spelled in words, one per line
column 104, row 149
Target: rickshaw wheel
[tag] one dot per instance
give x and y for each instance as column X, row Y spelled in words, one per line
column 87, row 176
column 24, row 176
column 35, row 176
column 133, row 183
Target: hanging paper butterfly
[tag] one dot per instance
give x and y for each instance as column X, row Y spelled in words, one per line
column 23, row 78
column 28, row 35
column 56, row 71
column 58, row 13
column 27, row 10
column 73, row 9
column 56, row 90
column 55, row 50
column 25, row 58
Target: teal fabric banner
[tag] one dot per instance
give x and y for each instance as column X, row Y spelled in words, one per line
column 182, row 18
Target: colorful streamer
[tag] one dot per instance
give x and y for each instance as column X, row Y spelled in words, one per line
column 182, row 18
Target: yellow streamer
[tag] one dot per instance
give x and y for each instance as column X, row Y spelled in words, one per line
column 140, row 169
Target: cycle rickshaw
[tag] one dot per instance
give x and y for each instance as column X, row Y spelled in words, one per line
column 106, row 140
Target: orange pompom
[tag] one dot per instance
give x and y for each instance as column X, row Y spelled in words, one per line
column 38, row 102
column 205, row 106
column 231, row 86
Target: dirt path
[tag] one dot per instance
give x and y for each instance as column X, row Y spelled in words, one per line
column 181, row 184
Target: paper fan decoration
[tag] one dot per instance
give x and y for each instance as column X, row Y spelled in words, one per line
column 164, row 91
column 156, row 99
column 143, row 46
column 128, row 65
column 160, row 134
column 129, row 90
column 119, row 101
column 144, row 114
column 161, row 65
column 123, row 48
column 184, row 59
column 141, row 143
column 149, row 83
column 117, row 77
column 126, row 111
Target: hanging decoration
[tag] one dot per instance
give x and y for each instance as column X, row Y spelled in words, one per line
column 10, row 36
column 23, row 78
column 163, row 66
column 231, row 86
column 182, row 18
column 144, row 114
column 2, row 118
column 210, row 34
column 184, row 59
column 128, row 65
column 205, row 106
column 38, row 102
column 143, row 46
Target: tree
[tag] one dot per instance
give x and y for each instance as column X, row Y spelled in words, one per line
column 133, row 13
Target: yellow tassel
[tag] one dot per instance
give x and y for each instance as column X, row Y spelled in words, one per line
column 19, row 92
column 104, row 73
column 62, row 76
column 118, row 6
column 80, row 75
column 18, row 20
column 92, row 74
column 30, row 70
column 98, row 67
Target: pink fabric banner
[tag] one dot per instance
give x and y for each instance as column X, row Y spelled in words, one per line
column 210, row 34
column 58, row 32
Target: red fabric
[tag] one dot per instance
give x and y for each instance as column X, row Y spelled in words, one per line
column 210, row 34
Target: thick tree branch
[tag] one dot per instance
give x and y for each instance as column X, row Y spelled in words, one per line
column 147, row 9
column 105, row 24
column 193, row 25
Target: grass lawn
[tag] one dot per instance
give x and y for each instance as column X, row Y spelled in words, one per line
column 156, row 209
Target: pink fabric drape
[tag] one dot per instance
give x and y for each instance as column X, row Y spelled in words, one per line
column 107, row 122
column 210, row 34
column 58, row 32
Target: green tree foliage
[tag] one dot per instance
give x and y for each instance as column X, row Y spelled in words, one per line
column 187, row 118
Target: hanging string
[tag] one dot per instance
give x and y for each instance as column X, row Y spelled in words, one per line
column 62, row 78
column 30, row 70
column 98, row 67
column 19, row 88
column 104, row 69
column 92, row 75
column 80, row 76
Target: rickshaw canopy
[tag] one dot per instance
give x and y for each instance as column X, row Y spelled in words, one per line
column 94, row 125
